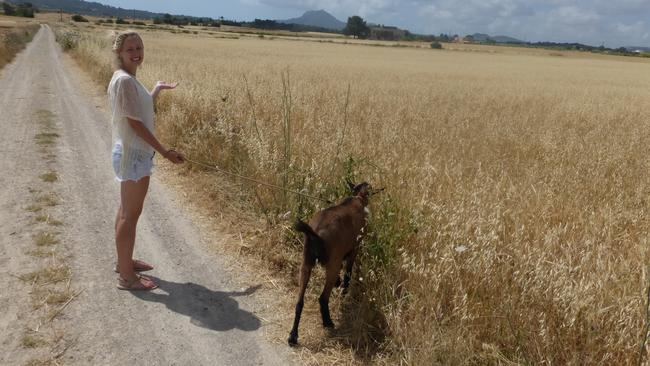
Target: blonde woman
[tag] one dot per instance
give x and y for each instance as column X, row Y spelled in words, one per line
column 134, row 146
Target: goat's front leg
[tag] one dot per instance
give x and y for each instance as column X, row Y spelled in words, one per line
column 305, row 273
column 349, row 263
column 332, row 273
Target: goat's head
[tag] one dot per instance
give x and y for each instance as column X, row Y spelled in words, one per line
column 362, row 190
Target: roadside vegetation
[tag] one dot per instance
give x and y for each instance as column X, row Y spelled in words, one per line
column 14, row 36
column 513, row 228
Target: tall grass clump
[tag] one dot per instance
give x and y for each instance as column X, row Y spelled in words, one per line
column 91, row 50
column 513, row 227
column 13, row 40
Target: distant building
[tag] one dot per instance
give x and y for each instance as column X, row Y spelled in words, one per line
column 459, row 39
column 386, row 33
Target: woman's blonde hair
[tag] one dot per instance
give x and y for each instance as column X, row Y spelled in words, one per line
column 117, row 46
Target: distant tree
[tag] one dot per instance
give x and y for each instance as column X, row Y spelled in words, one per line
column 121, row 21
column 79, row 18
column 356, row 27
column 230, row 22
column 26, row 10
column 168, row 19
column 444, row 38
column 8, row 9
column 157, row 21
column 21, row 10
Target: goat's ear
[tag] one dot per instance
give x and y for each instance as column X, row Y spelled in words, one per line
column 362, row 188
column 351, row 185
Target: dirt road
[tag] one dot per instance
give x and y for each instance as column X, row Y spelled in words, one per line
column 201, row 314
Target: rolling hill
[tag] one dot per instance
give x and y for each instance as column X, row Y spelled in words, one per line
column 89, row 8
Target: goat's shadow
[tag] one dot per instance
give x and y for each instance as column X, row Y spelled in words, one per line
column 215, row 310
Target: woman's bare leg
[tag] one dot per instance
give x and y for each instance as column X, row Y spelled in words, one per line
column 132, row 196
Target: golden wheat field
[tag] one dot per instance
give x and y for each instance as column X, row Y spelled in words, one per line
column 514, row 225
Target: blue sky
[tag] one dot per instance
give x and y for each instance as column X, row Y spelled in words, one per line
column 611, row 22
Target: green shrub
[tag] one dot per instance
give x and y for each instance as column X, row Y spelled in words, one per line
column 68, row 40
column 436, row 45
column 79, row 18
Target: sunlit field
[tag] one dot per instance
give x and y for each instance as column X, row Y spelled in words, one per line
column 514, row 224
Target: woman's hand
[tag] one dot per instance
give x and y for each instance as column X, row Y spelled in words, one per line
column 162, row 85
column 174, row 156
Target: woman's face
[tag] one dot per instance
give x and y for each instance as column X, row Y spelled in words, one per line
column 132, row 53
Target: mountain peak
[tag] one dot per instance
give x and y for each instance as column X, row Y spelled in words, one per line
column 317, row 18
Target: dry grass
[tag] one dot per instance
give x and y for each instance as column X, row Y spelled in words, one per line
column 46, row 138
column 514, row 224
column 33, row 341
column 43, row 252
column 34, row 208
column 49, row 200
column 48, row 220
column 55, row 273
column 49, row 177
column 43, row 362
column 15, row 33
column 45, row 239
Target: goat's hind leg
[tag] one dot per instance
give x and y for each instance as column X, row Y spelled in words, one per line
column 332, row 273
column 305, row 273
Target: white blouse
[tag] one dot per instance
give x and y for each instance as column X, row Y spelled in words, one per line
column 127, row 97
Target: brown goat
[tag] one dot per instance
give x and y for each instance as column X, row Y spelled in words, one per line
column 332, row 236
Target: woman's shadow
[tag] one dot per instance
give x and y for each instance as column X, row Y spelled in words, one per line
column 216, row 310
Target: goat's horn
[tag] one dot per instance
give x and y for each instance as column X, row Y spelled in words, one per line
column 375, row 191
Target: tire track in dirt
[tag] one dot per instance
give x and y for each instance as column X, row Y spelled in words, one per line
column 25, row 306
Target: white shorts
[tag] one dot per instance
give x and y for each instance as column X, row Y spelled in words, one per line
column 141, row 165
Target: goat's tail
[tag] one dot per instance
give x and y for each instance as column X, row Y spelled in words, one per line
column 314, row 244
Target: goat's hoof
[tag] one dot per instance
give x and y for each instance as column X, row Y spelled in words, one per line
column 293, row 340
column 328, row 324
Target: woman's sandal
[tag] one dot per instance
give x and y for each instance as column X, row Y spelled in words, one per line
column 138, row 266
column 139, row 283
